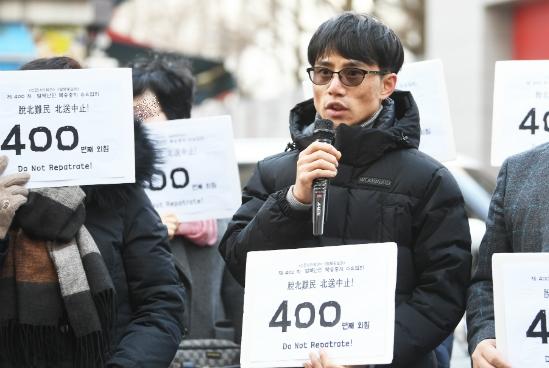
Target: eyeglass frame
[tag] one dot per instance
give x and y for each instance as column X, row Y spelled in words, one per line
column 366, row 72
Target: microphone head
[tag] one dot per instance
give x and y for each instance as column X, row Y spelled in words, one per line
column 324, row 130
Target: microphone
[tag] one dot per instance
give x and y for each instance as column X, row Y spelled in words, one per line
column 323, row 131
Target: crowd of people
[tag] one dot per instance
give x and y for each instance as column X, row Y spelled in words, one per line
column 120, row 285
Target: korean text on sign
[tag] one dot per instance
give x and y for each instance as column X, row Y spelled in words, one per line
column 68, row 127
column 340, row 299
column 199, row 176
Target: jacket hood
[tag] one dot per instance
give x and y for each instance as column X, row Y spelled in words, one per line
column 146, row 158
column 396, row 127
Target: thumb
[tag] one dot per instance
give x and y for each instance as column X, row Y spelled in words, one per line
column 3, row 163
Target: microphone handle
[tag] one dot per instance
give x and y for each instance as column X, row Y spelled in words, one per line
column 320, row 191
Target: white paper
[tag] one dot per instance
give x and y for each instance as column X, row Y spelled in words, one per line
column 200, row 174
column 521, row 97
column 521, row 293
column 80, row 123
column 425, row 80
column 360, row 279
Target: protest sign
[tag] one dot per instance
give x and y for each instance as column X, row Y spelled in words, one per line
column 520, row 119
column 425, row 80
column 68, row 127
column 521, row 301
column 198, row 178
column 340, row 298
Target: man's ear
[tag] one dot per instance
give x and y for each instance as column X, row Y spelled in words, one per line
column 388, row 85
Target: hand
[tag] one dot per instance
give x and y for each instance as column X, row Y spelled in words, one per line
column 319, row 160
column 170, row 220
column 320, row 361
column 487, row 356
column 12, row 195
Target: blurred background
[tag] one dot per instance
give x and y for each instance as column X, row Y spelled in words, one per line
column 249, row 58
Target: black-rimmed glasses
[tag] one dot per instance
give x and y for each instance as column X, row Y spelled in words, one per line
column 351, row 77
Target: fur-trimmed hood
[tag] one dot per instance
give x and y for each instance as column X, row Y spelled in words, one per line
column 146, row 158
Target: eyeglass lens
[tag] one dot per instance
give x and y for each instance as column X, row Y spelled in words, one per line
column 348, row 76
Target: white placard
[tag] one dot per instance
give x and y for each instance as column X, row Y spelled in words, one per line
column 68, row 127
column 199, row 176
column 341, row 299
column 425, row 80
column 520, row 118
column 521, row 301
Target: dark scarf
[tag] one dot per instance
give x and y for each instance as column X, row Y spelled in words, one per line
column 57, row 301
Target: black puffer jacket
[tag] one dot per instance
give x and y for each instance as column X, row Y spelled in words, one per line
column 134, row 244
column 385, row 190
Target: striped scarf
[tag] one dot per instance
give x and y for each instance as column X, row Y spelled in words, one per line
column 57, row 301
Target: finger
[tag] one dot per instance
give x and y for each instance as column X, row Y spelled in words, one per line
column 17, row 201
column 168, row 220
column 494, row 357
column 315, row 146
column 17, row 189
column 171, row 215
column 3, row 163
column 324, row 359
column 495, row 360
column 309, row 177
column 15, row 179
column 318, row 155
column 480, row 362
column 318, row 164
column 315, row 360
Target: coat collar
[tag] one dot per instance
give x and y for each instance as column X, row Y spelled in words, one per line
column 397, row 127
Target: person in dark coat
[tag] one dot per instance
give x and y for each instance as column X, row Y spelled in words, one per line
column 134, row 299
column 163, row 89
column 382, row 189
column 518, row 221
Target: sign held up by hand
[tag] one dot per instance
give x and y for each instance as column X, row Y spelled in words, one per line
column 520, row 111
column 68, row 127
column 302, row 300
column 521, row 302
column 198, row 179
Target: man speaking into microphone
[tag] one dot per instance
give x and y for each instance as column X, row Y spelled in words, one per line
column 380, row 187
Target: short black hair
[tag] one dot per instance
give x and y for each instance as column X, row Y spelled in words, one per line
column 359, row 37
column 58, row 62
column 170, row 79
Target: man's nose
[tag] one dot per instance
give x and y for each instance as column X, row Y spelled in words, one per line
column 335, row 85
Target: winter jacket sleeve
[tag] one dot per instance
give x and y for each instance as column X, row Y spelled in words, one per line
column 265, row 221
column 156, row 296
column 442, row 261
column 480, row 298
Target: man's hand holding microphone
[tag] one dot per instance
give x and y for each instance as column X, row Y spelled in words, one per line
column 315, row 165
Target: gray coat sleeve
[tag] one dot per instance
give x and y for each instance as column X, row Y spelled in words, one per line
column 480, row 301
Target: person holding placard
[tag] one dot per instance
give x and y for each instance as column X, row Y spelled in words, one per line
column 382, row 189
column 87, row 279
column 518, row 221
column 163, row 90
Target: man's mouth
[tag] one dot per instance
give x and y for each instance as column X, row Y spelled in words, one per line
column 335, row 106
